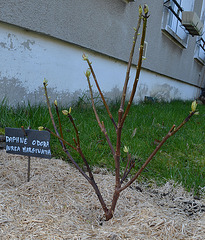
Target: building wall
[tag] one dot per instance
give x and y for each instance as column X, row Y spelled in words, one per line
column 47, row 38
column 28, row 58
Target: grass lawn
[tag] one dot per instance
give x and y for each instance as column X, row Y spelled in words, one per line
column 181, row 158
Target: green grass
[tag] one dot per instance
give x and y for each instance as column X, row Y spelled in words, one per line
column 182, row 157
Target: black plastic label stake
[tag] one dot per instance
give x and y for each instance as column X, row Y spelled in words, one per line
column 28, row 142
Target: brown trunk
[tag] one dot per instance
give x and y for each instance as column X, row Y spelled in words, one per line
column 110, row 213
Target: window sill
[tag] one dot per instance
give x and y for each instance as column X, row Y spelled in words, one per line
column 167, row 31
column 199, row 60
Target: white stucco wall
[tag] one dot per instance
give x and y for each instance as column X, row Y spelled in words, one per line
column 27, row 58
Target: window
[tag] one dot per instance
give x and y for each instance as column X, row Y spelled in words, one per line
column 200, row 43
column 171, row 23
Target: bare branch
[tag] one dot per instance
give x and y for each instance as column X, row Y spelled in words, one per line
column 131, row 57
column 117, row 152
column 98, row 87
column 89, row 179
column 50, row 112
column 49, row 106
column 60, row 139
column 139, row 65
column 75, row 128
column 130, row 163
column 59, row 121
column 171, row 132
column 184, row 122
column 76, row 165
column 101, row 125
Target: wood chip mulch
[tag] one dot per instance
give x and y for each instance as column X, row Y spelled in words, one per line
column 58, row 204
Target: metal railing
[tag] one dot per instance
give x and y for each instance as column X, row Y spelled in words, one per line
column 167, row 4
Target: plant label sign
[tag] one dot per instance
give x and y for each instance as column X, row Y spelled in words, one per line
column 29, row 142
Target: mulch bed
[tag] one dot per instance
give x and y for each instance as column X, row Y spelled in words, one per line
column 58, row 203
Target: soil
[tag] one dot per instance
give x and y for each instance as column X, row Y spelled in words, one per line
column 58, row 203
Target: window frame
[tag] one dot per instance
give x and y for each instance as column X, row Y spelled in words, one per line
column 200, row 42
column 171, row 21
